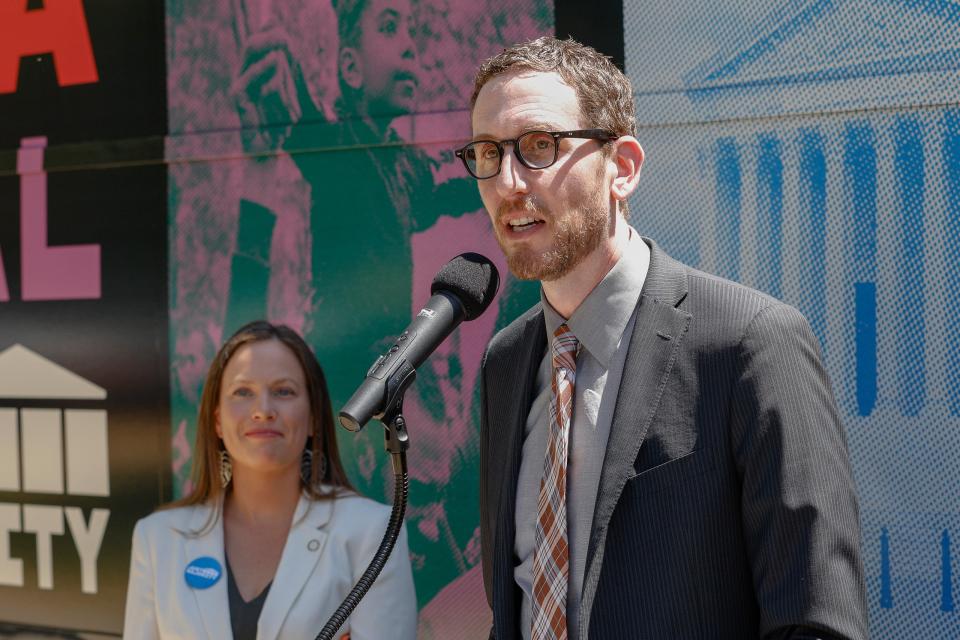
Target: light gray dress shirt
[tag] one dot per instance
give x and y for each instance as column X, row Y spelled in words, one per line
column 603, row 324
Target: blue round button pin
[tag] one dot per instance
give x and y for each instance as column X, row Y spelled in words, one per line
column 203, row 573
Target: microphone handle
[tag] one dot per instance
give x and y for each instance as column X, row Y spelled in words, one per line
column 438, row 318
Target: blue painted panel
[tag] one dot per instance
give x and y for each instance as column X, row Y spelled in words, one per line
column 803, row 148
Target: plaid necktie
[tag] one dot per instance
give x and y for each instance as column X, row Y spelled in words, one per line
column 551, row 556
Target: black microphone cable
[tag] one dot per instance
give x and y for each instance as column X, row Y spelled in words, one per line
column 401, row 483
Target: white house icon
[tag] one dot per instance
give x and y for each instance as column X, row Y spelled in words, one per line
column 62, row 450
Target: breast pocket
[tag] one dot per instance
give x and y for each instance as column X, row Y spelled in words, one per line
column 674, row 473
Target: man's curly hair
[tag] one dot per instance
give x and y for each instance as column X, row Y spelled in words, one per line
column 603, row 90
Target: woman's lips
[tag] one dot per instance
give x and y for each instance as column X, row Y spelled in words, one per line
column 264, row 433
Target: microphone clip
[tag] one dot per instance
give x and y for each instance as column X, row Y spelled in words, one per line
column 396, row 439
column 397, row 385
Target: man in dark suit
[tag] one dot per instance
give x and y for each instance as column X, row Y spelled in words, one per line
column 661, row 452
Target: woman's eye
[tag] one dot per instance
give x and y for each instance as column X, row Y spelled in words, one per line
column 242, row 392
column 285, row 392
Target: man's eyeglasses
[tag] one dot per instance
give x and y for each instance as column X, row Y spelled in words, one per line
column 533, row 149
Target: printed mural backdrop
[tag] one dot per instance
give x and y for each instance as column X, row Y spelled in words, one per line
column 325, row 198
column 812, row 149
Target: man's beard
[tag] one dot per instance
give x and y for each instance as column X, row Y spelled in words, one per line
column 575, row 236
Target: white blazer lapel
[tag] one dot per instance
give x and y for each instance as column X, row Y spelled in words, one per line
column 212, row 603
column 302, row 551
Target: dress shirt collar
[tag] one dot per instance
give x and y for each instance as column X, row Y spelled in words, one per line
column 599, row 321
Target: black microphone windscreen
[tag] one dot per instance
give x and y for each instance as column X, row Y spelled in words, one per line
column 471, row 277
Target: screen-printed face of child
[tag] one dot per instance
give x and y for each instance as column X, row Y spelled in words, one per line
column 386, row 69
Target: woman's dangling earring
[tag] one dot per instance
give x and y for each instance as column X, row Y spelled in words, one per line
column 226, row 468
column 306, row 468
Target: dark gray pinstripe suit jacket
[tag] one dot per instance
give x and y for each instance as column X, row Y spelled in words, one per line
column 726, row 506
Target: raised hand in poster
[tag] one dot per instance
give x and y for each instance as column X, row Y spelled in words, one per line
column 266, row 91
column 287, row 73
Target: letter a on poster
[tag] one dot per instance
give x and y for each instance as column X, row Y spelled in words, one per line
column 59, row 28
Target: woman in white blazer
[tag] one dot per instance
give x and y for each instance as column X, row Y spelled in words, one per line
column 272, row 537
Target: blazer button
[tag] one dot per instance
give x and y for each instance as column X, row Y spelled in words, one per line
column 313, row 545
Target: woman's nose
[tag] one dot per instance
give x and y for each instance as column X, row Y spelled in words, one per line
column 264, row 410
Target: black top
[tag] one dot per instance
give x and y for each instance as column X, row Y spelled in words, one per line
column 244, row 615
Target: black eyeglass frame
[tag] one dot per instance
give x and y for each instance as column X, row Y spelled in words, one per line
column 603, row 135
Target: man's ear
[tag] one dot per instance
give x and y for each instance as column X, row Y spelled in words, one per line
column 350, row 68
column 628, row 157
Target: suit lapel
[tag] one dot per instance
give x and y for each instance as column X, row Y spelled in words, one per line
column 657, row 333
column 515, row 389
column 212, row 602
column 301, row 553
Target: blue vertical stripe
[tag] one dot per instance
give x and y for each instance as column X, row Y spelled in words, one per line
column 886, row 592
column 909, row 170
column 813, row 209
column 770, row 216
column 865, row 311
column 951, row 276
column 860, row 173
column 946, row 573
column 729, row 187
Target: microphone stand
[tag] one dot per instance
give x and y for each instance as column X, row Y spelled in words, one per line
column 396, row 442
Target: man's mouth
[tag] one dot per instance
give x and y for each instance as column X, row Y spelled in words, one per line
column 519, row 225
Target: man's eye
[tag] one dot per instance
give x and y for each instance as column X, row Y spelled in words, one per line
column 489, row 152
column 538, row 142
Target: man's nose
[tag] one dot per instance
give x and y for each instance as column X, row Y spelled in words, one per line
column 511, row 179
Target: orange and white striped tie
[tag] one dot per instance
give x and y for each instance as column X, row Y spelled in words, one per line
column 551, row 556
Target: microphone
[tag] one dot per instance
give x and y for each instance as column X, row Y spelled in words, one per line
column 462, row 290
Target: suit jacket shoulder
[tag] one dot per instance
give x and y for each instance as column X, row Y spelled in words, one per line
column 726, row 305
column 507, row 340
